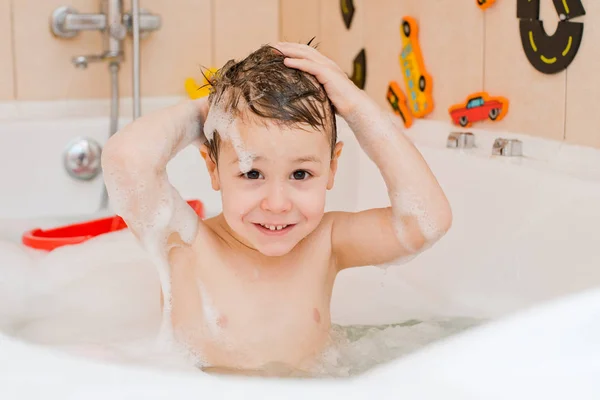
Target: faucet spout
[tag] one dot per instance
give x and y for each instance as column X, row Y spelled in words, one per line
column 82, row 62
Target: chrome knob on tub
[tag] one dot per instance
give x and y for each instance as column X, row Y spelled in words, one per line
column 507, row 147
column 82, row 159
column 461, row 140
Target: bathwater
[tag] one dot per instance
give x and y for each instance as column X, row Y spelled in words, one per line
column 101, row 300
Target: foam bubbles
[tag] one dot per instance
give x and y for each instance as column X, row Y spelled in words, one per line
column 211, row 315
column 411, row 203
column 359, row 348
column 226, row 125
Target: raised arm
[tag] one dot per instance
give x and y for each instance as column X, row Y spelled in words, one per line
column 419, row 213
column 134, row 164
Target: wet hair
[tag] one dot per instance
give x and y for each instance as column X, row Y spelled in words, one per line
column 261, row 85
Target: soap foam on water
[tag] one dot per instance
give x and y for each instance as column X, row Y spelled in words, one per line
column 100, row 300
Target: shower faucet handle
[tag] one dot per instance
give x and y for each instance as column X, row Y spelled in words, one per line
column 67, row 22
column 148, row 22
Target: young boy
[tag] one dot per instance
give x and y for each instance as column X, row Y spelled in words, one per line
column 251, row 287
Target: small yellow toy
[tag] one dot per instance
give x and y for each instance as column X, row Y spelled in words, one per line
column 196, row 91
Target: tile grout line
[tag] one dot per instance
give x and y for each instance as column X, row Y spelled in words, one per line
column 213, row 43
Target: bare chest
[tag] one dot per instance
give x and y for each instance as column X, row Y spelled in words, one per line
column 234, row 306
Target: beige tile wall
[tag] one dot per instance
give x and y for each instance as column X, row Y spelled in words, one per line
column 537, row 101
column 242, row 26
column 583, row 84
column 337, row 42
column 453, row 55
column 465, row 50
column 43, row 67
column 177, row 51
column 299, row 20
column 7, row 91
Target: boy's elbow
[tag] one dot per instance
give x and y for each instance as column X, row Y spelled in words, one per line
column 445, row 219
column 435, row 230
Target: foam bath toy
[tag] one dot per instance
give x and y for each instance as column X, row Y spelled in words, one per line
column 419, row 83
column 550, row 54
column 347, row 7
column 397, row 101
column 78, row 233
column 359, row 69
column 479, row 107
column 196, row 91
column 485, row 4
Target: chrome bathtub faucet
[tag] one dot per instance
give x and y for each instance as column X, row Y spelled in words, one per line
column 111, row 21
column 460, row 140
column 507, row 147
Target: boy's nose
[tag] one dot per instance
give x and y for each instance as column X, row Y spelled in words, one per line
column 276, row 200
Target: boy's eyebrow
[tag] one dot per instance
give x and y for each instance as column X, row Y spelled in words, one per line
column 296, row 160
column 307, row 159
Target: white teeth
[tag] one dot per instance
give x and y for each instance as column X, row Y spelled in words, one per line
column 274, row 227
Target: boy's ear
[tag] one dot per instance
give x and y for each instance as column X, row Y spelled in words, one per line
column 211, row 166
column 337, row 152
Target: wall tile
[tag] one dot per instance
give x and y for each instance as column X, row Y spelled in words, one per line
column 537, row 100
column 451, row 38
column 43, row 62
column 6, row 52
column 299, row 20
column 242, row 26
column 180, row 49
column 583, row 84
column 336, row 41
column 170, row 55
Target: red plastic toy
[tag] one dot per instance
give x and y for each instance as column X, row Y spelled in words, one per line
column 79, row 233
column 479, row 107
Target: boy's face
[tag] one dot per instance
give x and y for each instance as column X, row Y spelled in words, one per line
column 282, row 198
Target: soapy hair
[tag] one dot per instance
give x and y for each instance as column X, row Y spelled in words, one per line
column 262, row 86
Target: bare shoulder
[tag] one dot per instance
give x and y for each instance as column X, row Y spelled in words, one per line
column 211, row 237
column 320, row 238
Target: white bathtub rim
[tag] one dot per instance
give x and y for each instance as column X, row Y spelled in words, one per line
column 542, row 154
column 451, row 367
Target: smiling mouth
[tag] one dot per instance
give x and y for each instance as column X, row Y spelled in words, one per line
column 274, row 229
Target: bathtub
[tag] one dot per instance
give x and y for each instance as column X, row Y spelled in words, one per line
column 521, row 254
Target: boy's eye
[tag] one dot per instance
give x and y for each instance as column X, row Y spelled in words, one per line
column 300, row 175
column 252, row 174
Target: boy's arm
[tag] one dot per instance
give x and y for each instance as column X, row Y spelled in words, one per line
column 134, row 164
column 419, row 214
